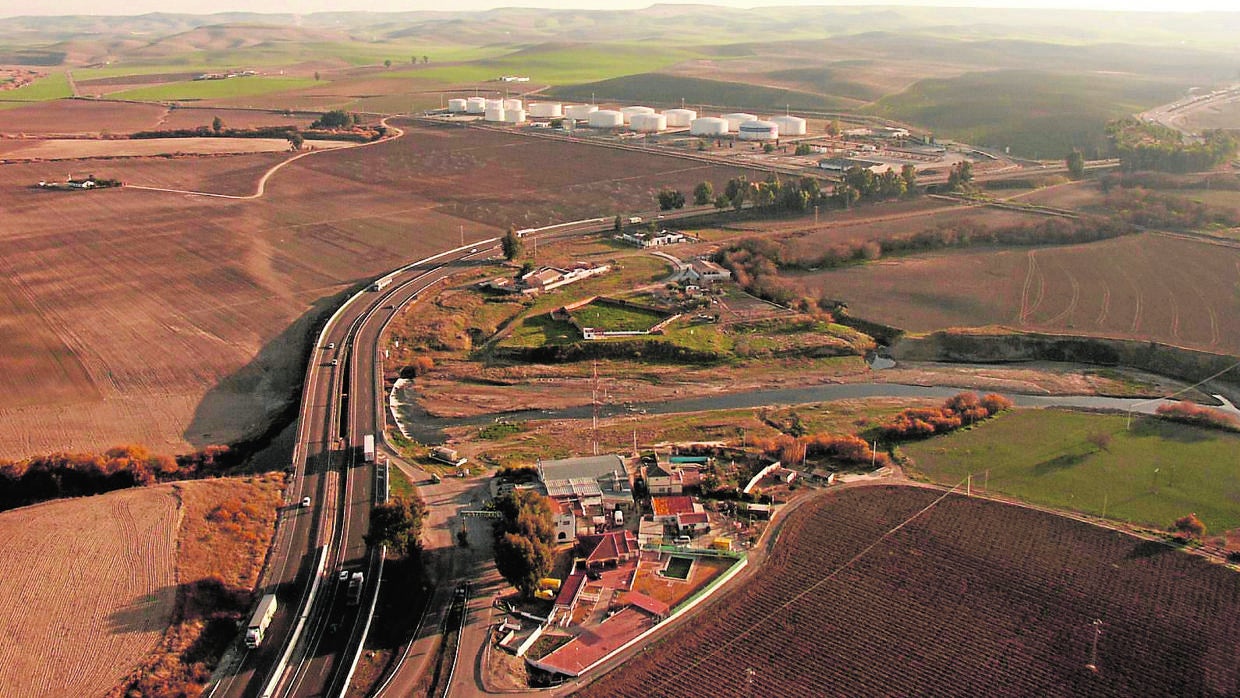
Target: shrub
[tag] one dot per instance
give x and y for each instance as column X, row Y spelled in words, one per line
column 1189, row 413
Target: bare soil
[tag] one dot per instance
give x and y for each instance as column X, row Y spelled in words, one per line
column 91, row 589
column 74, row 149
column 80, row 116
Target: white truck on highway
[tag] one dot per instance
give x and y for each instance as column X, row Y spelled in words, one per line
column 368, row 448
column 353, row 595
column 260, row 620
column 381, row 284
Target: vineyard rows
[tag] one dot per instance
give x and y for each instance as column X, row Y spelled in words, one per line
column 971, row 598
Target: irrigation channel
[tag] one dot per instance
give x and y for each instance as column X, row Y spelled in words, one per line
column 417, row 424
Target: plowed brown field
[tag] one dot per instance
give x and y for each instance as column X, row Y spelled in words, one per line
column 88, row 590
column 971, row 598
column 176, row 321
column 1172, row 289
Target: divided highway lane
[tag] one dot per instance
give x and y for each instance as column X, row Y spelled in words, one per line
column 335, row 415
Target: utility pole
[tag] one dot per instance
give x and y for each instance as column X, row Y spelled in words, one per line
column 594, row 403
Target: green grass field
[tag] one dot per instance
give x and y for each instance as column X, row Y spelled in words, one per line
column 1151, row 474
column 562, row 66
column 1037, row 114
column 54, row 86
column 613, row 318
column 215, row 89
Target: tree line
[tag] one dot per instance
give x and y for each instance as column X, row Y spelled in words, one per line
column 1146, row 146
column 58, row 475
column 755, row 263
column 524, row 538
column 957, row 411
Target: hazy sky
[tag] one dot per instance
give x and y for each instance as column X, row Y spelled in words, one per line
column 128, row 7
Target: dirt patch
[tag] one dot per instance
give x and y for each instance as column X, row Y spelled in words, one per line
column 91, row 590
column 75, row 149
column 80, row 116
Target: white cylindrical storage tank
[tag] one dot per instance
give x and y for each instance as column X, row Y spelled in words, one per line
column 546, row 110
column 649, row 123
column 708, row 126
column 737, row 118
column 757, row 131
column 579, row 111
column 606, row 118
column 628, row 112
column 476, row 105
column 790, row 125
column 494, row 114
column 495, row 104
column 679, row 117
column 456, row 106
column 514, row 116
column 513, row 103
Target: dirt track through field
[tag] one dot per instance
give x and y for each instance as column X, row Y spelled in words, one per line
column 261, row 188
column 89, row 589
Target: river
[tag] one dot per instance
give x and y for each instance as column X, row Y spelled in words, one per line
column 417, row 424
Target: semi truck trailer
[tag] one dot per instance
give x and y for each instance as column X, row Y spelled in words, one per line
column 260, row 620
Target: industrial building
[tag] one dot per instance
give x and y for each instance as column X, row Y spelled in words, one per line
column 546, row 110
column 789, row 125
column 679, row 118
column 629, row 112
column 735, row 119
column 708, row 126
column 648, row 123
column 579, row 112
column 605, row 118
column 758, row 131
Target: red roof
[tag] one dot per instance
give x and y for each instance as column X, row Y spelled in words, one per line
column 568, row 591
column 671, row 506
column 697, row 517
column 648, row 604
column 592, row 645
column 609, row 546
column 690, row 477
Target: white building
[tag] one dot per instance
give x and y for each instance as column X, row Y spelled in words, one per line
column 789, row 125
column 546, row 110
column 579, row 112
column 735, row 119
column 649, row 123
column 708, row 126
column 605, row 118
column 679, row 118
column 758, row 131
column 629, row 112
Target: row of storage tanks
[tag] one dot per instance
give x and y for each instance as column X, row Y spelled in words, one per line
column 643, row 119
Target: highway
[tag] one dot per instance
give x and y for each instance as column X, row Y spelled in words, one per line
column 311, row 644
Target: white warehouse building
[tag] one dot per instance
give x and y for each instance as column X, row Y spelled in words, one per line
column 546, row 110
column 708, row 126
column 789, row 125
column 649, row 123
column 579, row 112
column 758, row 131
column 605, row 118
column 476, row 105
column 735, row 119
column 679, row 117
column 628, row 112
column 458, row 106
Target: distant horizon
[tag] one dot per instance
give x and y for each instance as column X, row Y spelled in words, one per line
column 13, row 8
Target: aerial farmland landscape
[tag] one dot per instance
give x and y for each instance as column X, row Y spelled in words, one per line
column 671, row 350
